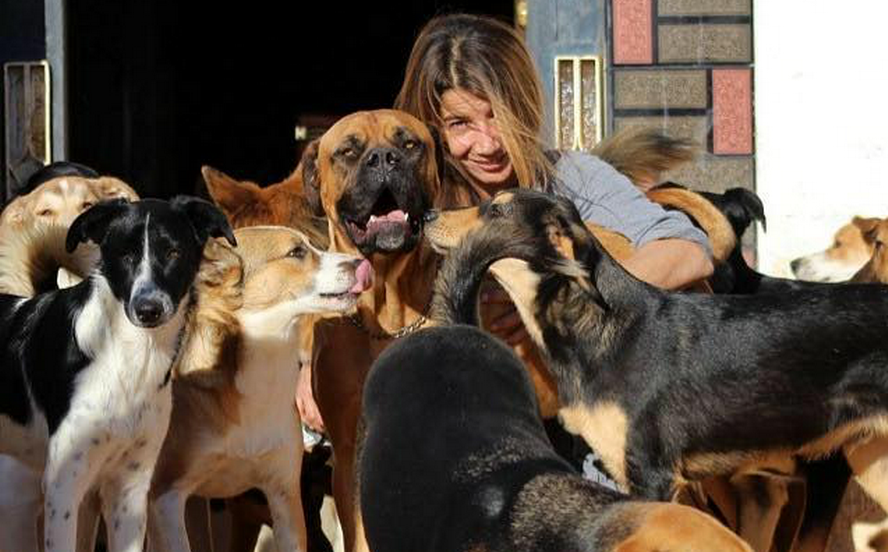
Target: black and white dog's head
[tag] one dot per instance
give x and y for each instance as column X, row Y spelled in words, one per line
column 150, row 250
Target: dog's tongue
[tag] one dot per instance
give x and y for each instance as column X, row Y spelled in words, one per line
column 397, row 217
column 363, row 277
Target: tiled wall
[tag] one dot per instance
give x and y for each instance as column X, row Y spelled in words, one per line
column 686, row 66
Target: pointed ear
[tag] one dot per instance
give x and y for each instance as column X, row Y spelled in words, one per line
column 92, row 224
column 229, row 194
column 311, row 182
column 865, row 224
column 206, row 219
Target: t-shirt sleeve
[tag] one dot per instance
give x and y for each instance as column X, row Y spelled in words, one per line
column 606, row 197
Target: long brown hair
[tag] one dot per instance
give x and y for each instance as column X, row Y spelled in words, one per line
column 488, row 59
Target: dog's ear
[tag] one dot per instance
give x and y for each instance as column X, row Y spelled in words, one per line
column 108, row 187
column 865, row 224
column 229, row 194
column 92, row 224
column 311, row 180
column 206, row 219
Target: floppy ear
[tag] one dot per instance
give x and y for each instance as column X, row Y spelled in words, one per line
column 92, row 224
column 311, row 181
column 110, row 187
column 206, row 219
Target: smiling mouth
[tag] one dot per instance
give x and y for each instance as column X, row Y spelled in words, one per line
column 386, row 223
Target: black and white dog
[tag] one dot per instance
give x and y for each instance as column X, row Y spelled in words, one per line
column 84, row 371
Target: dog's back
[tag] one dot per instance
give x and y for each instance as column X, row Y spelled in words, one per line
column 455, row 457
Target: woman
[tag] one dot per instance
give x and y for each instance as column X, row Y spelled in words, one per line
column 471, row 78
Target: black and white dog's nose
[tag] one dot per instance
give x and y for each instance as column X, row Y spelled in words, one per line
column 148, row 311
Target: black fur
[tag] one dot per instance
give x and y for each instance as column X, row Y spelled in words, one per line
column 741, row 207
column 454, row 456
column 39, row 352
column 694, row 373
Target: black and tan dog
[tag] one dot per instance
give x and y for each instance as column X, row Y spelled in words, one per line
column 466, row 465
column 670, row 387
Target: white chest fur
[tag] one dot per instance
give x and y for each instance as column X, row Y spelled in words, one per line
column 125, row 385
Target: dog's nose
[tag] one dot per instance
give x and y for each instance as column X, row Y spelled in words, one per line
column 794, row 264
column 148, row 311
column 430, row 215
column 385, row 158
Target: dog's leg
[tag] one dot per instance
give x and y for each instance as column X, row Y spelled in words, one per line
column 66, row 482
column 20, row 503
column 88, row 522
column 289, row 519
column 869, row 463
column 125, row 508
column 166, row 522
column 760, row 499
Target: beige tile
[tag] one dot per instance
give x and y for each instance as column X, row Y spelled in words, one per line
column 704, row 43
column 660, row 89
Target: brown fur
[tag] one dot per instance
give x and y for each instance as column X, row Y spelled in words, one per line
column 644, row 154
column 875, row 234
column 714, row 223
column 285, row 203
column 848, row 252
column 239, row 361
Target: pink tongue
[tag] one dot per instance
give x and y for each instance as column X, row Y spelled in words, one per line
column 363, row 277
column 395, row 216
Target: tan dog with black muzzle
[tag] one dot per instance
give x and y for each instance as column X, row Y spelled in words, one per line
column 373, row 174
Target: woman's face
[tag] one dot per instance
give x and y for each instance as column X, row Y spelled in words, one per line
column 473, row 138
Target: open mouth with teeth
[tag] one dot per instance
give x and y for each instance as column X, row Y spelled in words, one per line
column 387, row 226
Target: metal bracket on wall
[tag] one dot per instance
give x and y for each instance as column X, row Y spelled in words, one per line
column 579, row 102
column 28, row 130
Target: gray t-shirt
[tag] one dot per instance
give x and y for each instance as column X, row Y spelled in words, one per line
column 608, row 198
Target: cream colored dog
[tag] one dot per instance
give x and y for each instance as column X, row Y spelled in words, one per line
column 60, row 200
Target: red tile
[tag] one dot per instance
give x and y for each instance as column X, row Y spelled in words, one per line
column 633, row 32
column 732, row 111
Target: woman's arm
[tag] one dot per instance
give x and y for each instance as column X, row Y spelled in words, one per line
column 670, row 263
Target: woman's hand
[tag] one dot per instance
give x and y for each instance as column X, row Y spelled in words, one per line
column 506, row 323
column 305, row 403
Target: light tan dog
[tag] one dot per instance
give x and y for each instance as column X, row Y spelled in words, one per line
column 234, row 425
column 60, row 200
column 842, row 259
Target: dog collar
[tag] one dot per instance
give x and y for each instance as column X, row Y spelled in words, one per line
column 381, row 335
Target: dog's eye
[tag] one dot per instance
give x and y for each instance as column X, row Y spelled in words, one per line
column 44, row 213
column 129, row 259
column 409, row 144
column 348, row 152
column 172, row 254
column 297, row 252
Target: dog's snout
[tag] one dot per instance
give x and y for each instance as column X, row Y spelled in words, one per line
column 148, row 310
column 383, row 158
column 430, row 215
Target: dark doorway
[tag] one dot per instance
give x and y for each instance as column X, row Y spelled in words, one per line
column 158, row 89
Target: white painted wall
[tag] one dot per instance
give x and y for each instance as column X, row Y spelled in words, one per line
column 821, row 116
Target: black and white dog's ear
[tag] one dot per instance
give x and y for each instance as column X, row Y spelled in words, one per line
column 206, row 219
column 92, row 224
